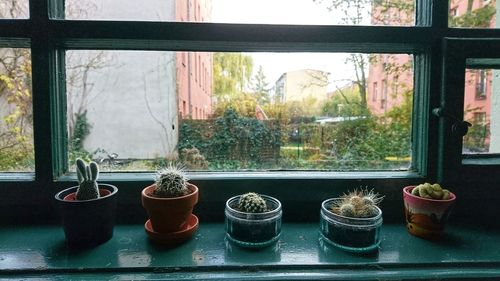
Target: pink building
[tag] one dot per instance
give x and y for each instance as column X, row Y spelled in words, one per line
column 385, row 86
column 194, row 69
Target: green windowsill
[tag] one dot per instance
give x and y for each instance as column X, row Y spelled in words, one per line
column 40, row 252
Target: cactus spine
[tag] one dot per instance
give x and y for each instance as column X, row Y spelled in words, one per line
column 87, row 180
column 357, row 204
column 171, row 182
column 252, row 203
column 431, row 191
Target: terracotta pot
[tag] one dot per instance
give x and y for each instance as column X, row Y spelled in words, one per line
column 87, row 223
column 426, row 218
column 169, row 214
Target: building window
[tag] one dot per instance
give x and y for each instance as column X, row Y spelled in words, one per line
column 383, row 100
column 375, row 91
column 481, row 84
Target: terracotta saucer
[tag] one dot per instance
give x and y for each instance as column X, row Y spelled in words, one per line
column 173, row 238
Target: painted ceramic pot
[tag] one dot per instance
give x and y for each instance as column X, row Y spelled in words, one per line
column 426, row 218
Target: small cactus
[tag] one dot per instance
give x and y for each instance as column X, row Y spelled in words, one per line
column 252, row 203
column 87, row 180
column 357, row 204
column 171, row 182
column 431, row 191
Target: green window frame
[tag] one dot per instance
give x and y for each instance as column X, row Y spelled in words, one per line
column 48, row 36
column 473, row 53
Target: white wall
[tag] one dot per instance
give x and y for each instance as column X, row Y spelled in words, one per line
column 132, row 105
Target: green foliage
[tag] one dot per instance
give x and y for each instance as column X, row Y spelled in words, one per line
column 16, row 135
column 480, row 17
column 260, row 87
column 231, row 140
column 232, row 73
column 345, row 102
column 81, row 131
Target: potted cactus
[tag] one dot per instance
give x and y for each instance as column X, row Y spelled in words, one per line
column 427, row 208
column 253, row 220
column 87, row 210
column 169, row 204
column 352, row 222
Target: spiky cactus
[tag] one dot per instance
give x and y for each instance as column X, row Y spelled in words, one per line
column 171, row 182
column 357, row 204
column 431, row 191
column 87, row 180
column 252, row 203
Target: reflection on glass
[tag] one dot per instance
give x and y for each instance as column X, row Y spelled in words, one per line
column 315, row 12
column 481, row 109
column 133, row 110
column 14, row 9
column 473, row 13
column 16, row 114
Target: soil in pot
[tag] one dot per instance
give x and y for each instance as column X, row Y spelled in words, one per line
column 253, row 230
column 88, row 223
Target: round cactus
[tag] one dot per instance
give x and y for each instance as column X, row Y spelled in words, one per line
column 431, row 191
column 252, row 203
column 357, row 204
column 87, row 180
column 171, row 182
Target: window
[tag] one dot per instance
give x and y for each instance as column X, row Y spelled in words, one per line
column 247, row 11
column 14, row 9
column 481, row 84
column 472, row 14
column 375, row 91
column 16, row 111
column 124, row 64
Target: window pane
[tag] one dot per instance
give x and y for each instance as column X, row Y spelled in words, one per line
column 134, row 110
column 481, row 109
column 473, row 13
column 16, row 114
column 14, row 9
column 324, row 12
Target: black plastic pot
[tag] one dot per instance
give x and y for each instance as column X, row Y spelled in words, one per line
column 88, row 223
column 350, row 234
column 253, row 230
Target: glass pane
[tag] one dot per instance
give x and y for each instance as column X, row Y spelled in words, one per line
column 132, row 110
column 473, row 13
column 16, row 114
column 481, row 109
column 14, row 9
column 316, row 12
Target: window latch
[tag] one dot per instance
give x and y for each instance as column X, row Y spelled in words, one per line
column 459, row 127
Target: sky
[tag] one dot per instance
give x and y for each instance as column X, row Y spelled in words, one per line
column 284, row 12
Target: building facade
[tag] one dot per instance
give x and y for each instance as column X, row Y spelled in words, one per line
column 149, row 90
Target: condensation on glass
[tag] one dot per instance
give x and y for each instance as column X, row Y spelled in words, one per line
column 307, row 12
column 482, row 110
column 473, row 13
column 139, row 110
column 16, row 113
column 14, row 9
